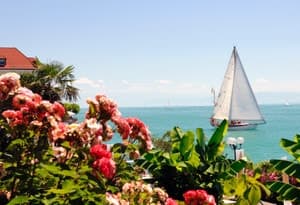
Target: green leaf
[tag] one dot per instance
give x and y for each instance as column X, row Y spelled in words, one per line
column 286, row 191
column 16, row 143
column 69, row 173
column 186, row 144
column 200, row 138
column 219, row 134
column 51, row 168
column 215, row 145
column 61, row 191
column 68, row 184
column 290, row 168
column 292, row 147
column 254, row 195
column 236, row 167
column 19, row 200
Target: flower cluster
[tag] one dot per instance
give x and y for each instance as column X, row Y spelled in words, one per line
column 103, row 161
column 265, row 177
column 136, row 192
column 30, row 111
column 103, row 109
column 9, row 83
column 198, row 197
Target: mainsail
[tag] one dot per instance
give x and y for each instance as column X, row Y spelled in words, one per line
column 236, row 100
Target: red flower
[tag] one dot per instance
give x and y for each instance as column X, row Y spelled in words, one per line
column 99, row 151
column 201, row 194
column 58, row 110
column 189, row 196
column 198, row 197
column 140, row 131
column 171, row 201
column 105, row 166
column 210, row 200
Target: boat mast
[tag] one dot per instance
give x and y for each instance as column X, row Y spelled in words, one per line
column 214, row 96
column 233, row 76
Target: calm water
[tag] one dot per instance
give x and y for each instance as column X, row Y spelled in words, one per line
column 260, row 144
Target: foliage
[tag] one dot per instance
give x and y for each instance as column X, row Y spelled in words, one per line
column 45, row 161
column 192, row 160
column 288, row 190
column 52, row 81
column 242, row 182
column 137, row 192
column 72, row 107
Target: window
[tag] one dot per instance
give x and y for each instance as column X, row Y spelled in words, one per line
column 2, row 61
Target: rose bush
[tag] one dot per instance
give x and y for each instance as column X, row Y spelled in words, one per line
column 44, row 160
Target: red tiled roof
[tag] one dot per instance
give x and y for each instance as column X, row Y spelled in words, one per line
column 16, row 60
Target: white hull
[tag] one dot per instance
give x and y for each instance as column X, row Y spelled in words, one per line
column 243, row 127
column 240, row 126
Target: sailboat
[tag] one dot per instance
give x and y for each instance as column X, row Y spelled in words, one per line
column 236, row 101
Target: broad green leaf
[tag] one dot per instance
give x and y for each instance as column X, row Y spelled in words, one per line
column 236, row 167
column 200, row 138
column 254, row 195
column 215, row 145
column 297, row 138
column 286, row 191
column 194, row 159
column 219, row 134
column 69, row 173
column 290, row 168
column 186, row 144
column 19, row 200
column 292, row 147
column 68, row 184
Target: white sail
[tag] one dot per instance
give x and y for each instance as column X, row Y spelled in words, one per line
column 236, row 100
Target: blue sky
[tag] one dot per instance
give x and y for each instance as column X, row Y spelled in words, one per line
column 159, row 52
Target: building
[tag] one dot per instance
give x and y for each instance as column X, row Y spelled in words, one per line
column 13, row 60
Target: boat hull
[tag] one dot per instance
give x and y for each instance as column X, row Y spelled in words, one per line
column 234, row 125
column 242, row 127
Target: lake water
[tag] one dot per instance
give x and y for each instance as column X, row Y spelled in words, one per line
column 260, row 144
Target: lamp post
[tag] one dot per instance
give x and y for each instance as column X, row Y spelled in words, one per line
column 236, row 145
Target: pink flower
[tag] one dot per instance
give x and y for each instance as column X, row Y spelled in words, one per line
column 58, row 110
column 9, row 83
column 171, row 201
column 21, row 100
column 99, row 151
column 13, row 117
column 103, row 108
column 210, row 200
column 140, row 131
column 105, row 166
column 199, row 196
column 122, row 125
column 58, row 131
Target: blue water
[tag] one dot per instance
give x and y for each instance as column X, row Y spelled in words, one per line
column 260, row 144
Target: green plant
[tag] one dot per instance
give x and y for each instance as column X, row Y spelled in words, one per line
column 45, row 161
column 242, row 183
column 72, row 107
column 191, row 163
column 287, row 190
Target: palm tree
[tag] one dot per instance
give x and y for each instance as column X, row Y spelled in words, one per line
column 52, row 81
